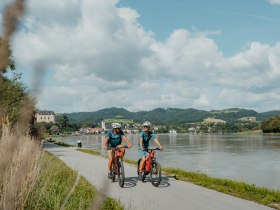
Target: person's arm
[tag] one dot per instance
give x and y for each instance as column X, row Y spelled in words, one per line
column 126, row 141
column 141, row 143
column 159, row 145
column 106, row 143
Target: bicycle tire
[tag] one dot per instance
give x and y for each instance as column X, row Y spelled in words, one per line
column 155, row 173
column 113, row 173
column 138, row 173
column 121, row 175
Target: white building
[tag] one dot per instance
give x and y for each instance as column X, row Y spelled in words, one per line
column 45, row 116
column 172, row 131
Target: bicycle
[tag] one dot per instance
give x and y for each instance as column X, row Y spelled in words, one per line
column 117, row 166
column 150, row 166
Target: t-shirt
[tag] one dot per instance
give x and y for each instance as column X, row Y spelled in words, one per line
column 146, row 138
column 114, row 140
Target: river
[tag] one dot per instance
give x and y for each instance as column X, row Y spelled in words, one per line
column 253, row 159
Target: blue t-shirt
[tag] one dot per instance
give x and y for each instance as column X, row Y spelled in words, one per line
column 146, row 138
column 114, row 140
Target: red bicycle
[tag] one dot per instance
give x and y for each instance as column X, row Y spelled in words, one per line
column 150, row 166
column 117, row 166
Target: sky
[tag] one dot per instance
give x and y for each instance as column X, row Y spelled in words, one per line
column 86, row 55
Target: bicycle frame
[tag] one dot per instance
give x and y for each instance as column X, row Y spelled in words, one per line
column 117, row 166
column 149, row 159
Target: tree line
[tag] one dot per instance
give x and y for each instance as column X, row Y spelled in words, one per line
column 16, row 103
column 271, row 126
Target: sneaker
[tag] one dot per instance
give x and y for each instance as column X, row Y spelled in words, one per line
column 109, row 175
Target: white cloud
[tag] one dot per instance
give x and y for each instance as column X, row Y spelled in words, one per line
column 202, row 101
column 274, row 1
column 101, row 56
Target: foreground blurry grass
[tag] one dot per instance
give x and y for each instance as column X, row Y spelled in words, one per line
column 250, row 192
column 59, row 187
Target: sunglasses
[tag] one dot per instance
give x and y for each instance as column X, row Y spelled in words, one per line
column 145, row 126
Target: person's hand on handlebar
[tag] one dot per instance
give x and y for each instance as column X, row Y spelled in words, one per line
column 105, row 147
column 161, row 148
column 129, row 146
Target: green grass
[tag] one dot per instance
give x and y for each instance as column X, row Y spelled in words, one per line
column 92, row 152
column 60, row 143
column 239, row 189
column 260, row 195
column 255, row 132
column 54, row 185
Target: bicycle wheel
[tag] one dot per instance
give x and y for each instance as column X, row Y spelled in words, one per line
column 139, row 175
column 155, row 173
column 121, row 176
column 113, row 173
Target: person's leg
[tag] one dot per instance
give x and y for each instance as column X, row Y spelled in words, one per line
column 110, row 155
column 142, row 163
column 142, row 156
column 122, row 151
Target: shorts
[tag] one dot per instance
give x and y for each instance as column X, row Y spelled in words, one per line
column 111, row 152
column 142, row 153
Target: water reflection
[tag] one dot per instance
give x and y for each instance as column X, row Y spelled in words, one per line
column 251, row 158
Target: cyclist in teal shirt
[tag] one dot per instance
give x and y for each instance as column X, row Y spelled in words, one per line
column 145, row 136
column 114, row 139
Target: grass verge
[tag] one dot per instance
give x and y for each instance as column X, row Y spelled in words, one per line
column 60, row 143
column 243, row 190
column 59, row 187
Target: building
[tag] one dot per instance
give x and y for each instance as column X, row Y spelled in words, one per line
column 213, row 120
column 172, row 131
column 45, row 116
column 89, row 131
column 248, row 119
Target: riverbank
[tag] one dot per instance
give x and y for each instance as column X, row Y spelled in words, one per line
column 242, row 190
column 59, row 187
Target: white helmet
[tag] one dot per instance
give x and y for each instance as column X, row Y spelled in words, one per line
column 147, row 124
column 116, row 125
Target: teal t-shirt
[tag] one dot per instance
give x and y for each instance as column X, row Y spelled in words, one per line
column 146, row 138
column 114, row 140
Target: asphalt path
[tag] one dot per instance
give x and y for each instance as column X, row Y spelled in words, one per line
column 137, row 195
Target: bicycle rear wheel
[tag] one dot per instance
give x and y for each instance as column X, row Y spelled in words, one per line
column 121, row 176
column 155, row 173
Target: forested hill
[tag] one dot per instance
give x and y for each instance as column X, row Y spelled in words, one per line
column 169, row 116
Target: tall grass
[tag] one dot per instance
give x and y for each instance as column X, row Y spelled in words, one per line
column 19, row 164
column 58, row 187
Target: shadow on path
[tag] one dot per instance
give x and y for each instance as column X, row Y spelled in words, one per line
column 164, row 181
column 130, row 182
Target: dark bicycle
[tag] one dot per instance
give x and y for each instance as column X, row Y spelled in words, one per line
column 150, row 166
column 117, row 166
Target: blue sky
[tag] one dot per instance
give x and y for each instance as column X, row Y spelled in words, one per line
column 141, row 55
column 238, row 22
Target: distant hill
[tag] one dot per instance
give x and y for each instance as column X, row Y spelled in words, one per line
column 169, row 116
column 270, row 114
column 236, row 113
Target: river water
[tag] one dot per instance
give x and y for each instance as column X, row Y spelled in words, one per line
column 253, row 159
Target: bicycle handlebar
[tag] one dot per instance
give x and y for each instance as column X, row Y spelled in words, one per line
column 150, row 149
column 115, row 148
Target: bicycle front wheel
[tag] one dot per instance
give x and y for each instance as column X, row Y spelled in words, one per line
column 155, row 173
column 121, row 176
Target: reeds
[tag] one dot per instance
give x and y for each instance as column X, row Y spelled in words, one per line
column 19, row 166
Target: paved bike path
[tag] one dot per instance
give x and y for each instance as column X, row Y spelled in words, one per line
column 171, row 194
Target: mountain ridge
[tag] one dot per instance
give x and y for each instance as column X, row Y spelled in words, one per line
column 170, row 115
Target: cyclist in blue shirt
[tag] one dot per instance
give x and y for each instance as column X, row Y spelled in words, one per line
column 145, row 136
column 114, row 139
